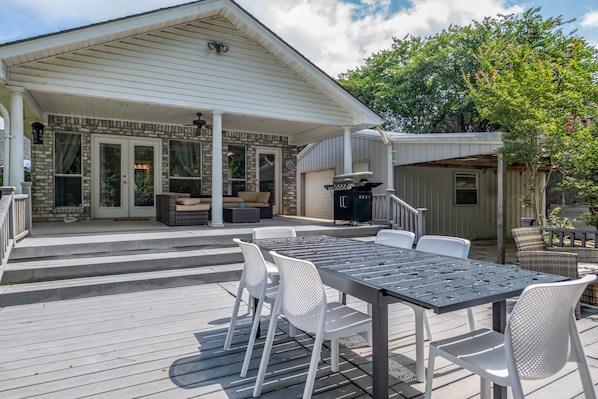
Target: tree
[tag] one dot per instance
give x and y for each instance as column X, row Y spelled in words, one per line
column 538, row 85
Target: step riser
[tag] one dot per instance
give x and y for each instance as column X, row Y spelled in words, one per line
column 32, row 275
column 86, row 291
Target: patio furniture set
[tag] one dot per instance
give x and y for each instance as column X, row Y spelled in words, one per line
column 179, row 209
column 383, row 273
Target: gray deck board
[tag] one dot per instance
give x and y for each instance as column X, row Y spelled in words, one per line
column 168, row 344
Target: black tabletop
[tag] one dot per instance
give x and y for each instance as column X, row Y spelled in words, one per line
column 437, row 282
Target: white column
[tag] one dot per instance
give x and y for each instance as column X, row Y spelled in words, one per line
column 7, row 136
column 347, row 153
column 217, row 169
column 17, row 174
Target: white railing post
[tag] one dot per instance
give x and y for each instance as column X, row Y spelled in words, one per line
column 26, row 189
column 389, row 207
column 10, row 191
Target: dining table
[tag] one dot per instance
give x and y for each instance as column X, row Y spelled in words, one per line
column 382, row 275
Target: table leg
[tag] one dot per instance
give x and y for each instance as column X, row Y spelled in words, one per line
column 499, row 321
column 380, row 350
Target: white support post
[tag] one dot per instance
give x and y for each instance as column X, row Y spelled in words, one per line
column 348, row 152
column 17, row 174
column 217, row 169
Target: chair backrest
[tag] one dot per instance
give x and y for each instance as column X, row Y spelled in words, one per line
column 528, row 239
column 537, row 335
column 444, row 245
column 273, row 232
column 302, row 293
column 254, row 270
column 395, row 238
column 553, row 262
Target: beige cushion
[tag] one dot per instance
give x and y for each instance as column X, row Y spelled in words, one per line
column 248, row 196
column 189, row 208
column 188, row 201
column 263, row 197
column 178, row 195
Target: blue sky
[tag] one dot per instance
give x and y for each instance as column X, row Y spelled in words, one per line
column 336, row 35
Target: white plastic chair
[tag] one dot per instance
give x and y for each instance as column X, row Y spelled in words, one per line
column 255, row 280
column 540, row 338
column 395, row 238
column 442, row 245
column 302, row 299
column 273, row 232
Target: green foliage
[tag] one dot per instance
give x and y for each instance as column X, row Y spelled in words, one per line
column 538, row 85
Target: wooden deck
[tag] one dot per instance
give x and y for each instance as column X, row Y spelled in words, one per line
column 168, row 344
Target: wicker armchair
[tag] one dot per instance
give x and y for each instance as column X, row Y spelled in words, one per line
column 531, row 239
column 552, row 262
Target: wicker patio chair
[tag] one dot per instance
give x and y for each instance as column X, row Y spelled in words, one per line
column 559, row 263
column 531, row 239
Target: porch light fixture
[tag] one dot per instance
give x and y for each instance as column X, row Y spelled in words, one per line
column 218, row 47
column 37, row 132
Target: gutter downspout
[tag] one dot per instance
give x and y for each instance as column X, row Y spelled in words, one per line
column 390, row 167
column 7, row 137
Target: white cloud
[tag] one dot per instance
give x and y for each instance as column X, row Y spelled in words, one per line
column 334, row 35
column 590, row 20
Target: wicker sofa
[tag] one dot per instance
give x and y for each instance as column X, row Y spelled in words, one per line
column 178, row 209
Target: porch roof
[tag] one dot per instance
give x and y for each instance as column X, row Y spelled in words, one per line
column 302, row 125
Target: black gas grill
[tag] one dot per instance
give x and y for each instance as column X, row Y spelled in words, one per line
column 352, row 197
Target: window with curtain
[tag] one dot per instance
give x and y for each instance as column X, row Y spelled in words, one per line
column 67, row 169
column 466, row 188
column 236, row 167
column 185, row 167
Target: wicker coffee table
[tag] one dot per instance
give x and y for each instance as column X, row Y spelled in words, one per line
column 241, row 215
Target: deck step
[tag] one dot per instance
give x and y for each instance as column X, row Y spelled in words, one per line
column 54, row 267
column 60, row 268
column 21, row 294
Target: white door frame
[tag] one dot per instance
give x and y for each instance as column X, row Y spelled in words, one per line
column 127, row 208
column 277, row 152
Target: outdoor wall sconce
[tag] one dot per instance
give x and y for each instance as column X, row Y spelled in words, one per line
column 218, row 47
column 37, row 131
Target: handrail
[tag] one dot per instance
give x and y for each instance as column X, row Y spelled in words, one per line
column 393, row 211
column 573, row 236
column 15, row 219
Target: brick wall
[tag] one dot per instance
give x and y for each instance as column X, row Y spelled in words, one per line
column 42, row 156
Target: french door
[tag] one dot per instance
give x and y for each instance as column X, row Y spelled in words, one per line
column 269, row 161
column 125, row 176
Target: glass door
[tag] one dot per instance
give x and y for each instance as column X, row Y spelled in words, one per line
column 268, row 174
column 125, row 177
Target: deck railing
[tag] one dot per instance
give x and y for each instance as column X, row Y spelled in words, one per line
column 564, row 237
column 393, row 211
column 15, row 219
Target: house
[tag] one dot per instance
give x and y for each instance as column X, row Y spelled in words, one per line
column 454, row 176
column 199, row 97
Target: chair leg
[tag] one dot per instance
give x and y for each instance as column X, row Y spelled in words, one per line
column 313, row 366
column 579, row 357
column 233, row 319
column 252, row 336
column 261, row 374
column 430, row 374
column 485, row 388
column 334, row 355
column 471, row 319
column 427, row 326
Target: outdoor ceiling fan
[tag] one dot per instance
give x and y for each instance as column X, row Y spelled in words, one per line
column 200, row 122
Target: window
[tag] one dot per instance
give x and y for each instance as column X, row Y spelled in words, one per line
column 67, row 169
column 466, row 188
column 237, row 168
column 185, row 167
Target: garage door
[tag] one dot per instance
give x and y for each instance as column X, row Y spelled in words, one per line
column 318, row 200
